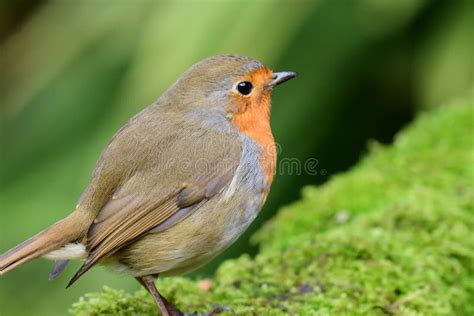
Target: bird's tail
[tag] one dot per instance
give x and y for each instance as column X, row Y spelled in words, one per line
column 70, row 229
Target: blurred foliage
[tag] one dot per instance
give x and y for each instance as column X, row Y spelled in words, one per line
column 72, row 72
column 389, row 237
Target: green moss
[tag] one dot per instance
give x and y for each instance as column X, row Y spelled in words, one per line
column 394, row 235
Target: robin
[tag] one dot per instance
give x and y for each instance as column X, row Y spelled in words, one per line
column 177, row 184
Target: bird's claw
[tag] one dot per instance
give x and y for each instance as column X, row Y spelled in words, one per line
column 216, row 309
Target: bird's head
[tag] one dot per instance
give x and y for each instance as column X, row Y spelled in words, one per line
column 230, row 83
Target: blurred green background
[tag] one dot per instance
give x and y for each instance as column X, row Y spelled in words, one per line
column 72, row 72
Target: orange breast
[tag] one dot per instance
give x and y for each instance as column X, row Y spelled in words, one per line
column 253, row 119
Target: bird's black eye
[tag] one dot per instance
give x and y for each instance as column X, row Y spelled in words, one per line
column 245, row 87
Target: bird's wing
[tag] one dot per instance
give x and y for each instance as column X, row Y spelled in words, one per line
column 164, row 192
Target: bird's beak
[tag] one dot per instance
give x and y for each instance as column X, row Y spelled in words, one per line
column 280, row 77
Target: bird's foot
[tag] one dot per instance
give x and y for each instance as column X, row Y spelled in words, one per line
column 173, row 310
column 216, row 309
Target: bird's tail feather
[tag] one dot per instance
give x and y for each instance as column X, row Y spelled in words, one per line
column 71, row 228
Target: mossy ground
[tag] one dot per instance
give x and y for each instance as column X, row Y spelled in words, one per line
column 392, row 236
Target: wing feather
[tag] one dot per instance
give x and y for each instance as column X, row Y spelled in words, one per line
column 121, row 228
column 139, row 185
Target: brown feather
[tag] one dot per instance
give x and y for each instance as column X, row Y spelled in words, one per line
column 65, row 231
column 121, row 228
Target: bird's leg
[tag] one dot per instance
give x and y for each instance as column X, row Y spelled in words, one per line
column 166, row 308
column 148, row 282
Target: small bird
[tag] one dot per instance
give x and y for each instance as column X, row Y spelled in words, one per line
column 177, row 184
